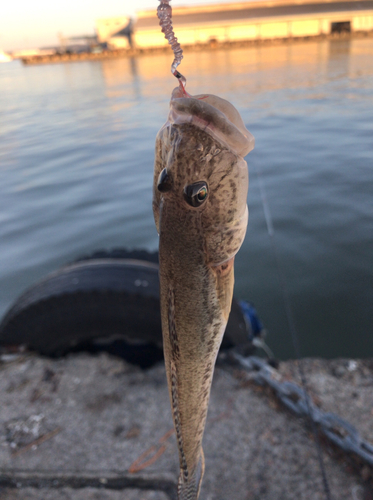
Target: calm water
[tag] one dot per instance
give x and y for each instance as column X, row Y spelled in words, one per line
column 76, row 149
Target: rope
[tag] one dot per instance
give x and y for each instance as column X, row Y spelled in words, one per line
column 291, row 324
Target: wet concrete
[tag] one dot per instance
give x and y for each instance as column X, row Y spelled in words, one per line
column 99, row 414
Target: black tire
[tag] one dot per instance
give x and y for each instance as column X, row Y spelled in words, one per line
column 101, row 296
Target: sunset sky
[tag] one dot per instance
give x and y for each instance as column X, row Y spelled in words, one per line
column 36, row 23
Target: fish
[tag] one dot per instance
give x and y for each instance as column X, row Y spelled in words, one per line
column 200, row 211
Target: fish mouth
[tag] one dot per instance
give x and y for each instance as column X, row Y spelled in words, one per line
column 214, row 115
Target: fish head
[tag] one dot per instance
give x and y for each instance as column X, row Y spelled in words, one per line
column 200, row 174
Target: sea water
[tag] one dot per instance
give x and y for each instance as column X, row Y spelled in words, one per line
column 76, row 172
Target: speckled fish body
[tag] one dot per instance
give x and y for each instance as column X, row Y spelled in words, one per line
column 199, row 203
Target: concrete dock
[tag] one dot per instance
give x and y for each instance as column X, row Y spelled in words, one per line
column 104, row 420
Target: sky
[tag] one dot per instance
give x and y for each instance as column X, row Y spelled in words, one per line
column 26, row 24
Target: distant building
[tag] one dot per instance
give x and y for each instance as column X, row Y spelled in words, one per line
column 115, row 31
column 76, row 44
column 235, row 22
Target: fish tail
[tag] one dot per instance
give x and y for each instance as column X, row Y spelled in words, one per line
column 190, row 485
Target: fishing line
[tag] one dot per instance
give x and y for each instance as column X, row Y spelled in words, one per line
column 291, row 323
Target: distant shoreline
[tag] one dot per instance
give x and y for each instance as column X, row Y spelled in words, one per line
column 210, row 46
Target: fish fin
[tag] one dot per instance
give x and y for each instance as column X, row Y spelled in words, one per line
column 176, row 417
column 189, row 487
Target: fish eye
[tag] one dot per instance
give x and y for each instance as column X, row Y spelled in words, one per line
column 196, row 194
